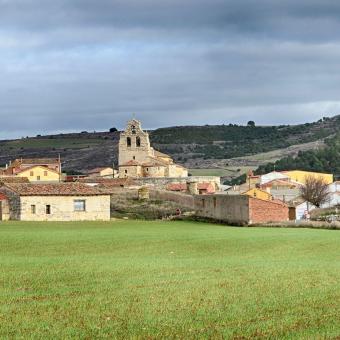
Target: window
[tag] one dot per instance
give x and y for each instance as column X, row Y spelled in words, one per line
column 138, row 141
column 31, row 173
column 38, row 178
column 33, row 209
column 128, row 141
column 79, row 205
column 134, row 157
column 48, row 209
column 133, row 129
column 126, row 171
column 45, row 173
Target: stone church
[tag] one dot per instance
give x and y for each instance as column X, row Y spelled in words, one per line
column 138, row 159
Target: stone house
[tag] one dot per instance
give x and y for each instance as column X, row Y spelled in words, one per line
column 56, row 202
column 138, row 159
column 103, row 172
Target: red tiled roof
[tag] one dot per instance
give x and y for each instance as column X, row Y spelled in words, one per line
column 161, row 154
column 13, row 179
column 53, row 189
column 36, row 161
column 183, row 186
column 177, row 186
column 131, row 163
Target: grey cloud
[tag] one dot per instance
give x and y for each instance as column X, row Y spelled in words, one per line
column 71, row 65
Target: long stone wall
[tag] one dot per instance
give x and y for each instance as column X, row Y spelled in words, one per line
column 232, row 209
column 183, row 200
column 161, row 183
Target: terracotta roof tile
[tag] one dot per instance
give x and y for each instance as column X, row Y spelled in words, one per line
column 36, row 161
column 13, row 179
column 55, row 189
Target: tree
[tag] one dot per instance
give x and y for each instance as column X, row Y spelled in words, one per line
column 315, row 191
column 251, row 123
column 113, row 129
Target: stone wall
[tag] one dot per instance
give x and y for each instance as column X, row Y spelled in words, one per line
column 183, row 200
column 13, row 202
column 62, row 208
column 161, row 183
column 233, row 209
column 262, row 211
column 4, row 210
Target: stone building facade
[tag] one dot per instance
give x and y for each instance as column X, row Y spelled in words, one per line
column 56, row 202
column 137, row 158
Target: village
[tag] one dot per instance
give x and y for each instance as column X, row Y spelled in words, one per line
column 37, row 189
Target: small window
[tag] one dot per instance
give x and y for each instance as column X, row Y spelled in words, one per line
column 38, row 178
column 48, row 209
column 31, row 173
column 79, row 205
column 33, row 209
column 133, row 129
column 134, row 157
column 126, row 171
column 45, row 173
column 128, row 141
column 138, row 141
column 215, row 202
column 147, row 169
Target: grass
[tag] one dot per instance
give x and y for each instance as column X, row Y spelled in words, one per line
column 137, row 279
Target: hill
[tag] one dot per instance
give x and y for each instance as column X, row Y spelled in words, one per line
column 326, row 159
column 194, row 146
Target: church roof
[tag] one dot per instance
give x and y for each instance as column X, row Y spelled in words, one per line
column 161, row 154
column 132, row 162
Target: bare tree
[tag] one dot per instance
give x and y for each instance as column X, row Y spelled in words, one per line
column 315, row 191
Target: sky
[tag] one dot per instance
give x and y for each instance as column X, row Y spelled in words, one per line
column 73, row 65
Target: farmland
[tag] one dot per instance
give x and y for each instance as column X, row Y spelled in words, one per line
column 124, row 279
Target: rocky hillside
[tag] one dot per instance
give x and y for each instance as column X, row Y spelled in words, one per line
column 193, row 146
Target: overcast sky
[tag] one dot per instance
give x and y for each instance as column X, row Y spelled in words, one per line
column 70, row 65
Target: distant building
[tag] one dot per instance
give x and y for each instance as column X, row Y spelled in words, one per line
column 258, row 193
column 39, row 173
column 24, row 163
column 104, row 172
column 240, row 209
column 138, row 159
column 301, row 176
column 299, row 208
column 55, row 202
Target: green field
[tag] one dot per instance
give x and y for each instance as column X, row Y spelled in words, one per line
column 135, row 279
